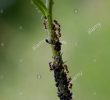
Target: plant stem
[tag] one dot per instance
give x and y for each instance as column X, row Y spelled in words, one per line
column 62, row 80
column 49, row 4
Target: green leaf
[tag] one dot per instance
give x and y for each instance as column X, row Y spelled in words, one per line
column 41, row 6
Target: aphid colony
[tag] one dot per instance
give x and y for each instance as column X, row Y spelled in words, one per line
column 58, row 64
column 63, row 82
column 56, row 34
column 60, row 69
column 55, row 27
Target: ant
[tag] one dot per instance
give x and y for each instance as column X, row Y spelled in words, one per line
column 45, row 22
column 56, row 28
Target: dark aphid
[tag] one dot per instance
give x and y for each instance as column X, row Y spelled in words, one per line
column 68, row 91
column 57, row 46
column 59, row 29
column 51, row 65
column 65, row 83
column 48, row 41
column 66, row 68
column 70, row 95
column 57, row 84
column 57, row 33
column 69, row 79
column 56, row 25
column 45, row 25
column 70, row 85
column 56, row 22
column 53, row 27
column 57, row 58
column 60, row 94
column 64, row 75
column 55, row 36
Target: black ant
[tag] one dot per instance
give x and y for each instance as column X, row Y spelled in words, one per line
column 57, row 46
column 45, row 22
column 56, row 28
column 56, row 23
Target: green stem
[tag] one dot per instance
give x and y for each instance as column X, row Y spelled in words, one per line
column 49, row 5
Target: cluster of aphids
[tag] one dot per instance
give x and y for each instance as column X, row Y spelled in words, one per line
column 61, row 77
column 55, row 27
column 55, row 35
column 57, row 65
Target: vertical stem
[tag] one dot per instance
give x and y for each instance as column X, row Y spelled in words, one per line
column 49, row 4
column 60, row 69
column 49, row 17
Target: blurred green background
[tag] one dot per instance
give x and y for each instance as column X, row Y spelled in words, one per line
column 24, row 56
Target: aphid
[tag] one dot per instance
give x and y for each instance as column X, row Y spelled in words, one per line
column 65, row 82
column 59, row 29
column 69, row 79
column 57, row 46
column 58, row 34
column 56, row 29
column 64, row 75
column 57, row 84
column 68, row 91
column 57, row 59
column 66, row 68
column 48, row 41
column 56, row 22
column 53, row 27
column 70, row 85
column 56, row 25
column 57, row 64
